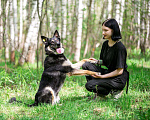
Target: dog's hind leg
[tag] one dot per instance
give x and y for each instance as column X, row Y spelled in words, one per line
column 57, row 98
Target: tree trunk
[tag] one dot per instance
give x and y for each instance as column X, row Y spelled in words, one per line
column 1, row 26
column 55, row 16
column 79, row 32
column 21, row 24
column 41, row 16
column 119, row 12
column 110, row 8
column 88, row 28
column 12, row 34
column 15, row 23
column 31, row 35
column 4, row 14
column 74, row 28
column 148, row 24
column 6, row 33
column 64, row 21
column 142, row 28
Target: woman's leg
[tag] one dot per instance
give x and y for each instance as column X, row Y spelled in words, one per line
column 103, row 86
column 91, row 67
column 97, row 86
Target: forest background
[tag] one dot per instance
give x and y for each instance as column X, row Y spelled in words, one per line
column 79, row 22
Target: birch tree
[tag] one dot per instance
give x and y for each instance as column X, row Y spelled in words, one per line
column 12, row 33
column 79, row 32
column 6, row 32
column 88, row 28
column 110, row 3
column 15, row 23
column 21, row 23
column 64, row 20
column 55, row 16
column 73, row 26
column 4, row 14
column 1, row 26
column 32, row 33
column 119, row 12
column 143, row 26
column 148, row 24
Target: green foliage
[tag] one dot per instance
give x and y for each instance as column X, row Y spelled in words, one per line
column 136, row 54
column 75, row 102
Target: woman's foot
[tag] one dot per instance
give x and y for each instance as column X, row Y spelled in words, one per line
column 116, row 93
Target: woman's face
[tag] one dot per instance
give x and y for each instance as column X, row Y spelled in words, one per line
column 107, row 32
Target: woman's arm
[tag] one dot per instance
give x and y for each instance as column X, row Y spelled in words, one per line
column 114, row 73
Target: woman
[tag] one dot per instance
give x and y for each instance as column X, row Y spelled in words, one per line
column 113, row 56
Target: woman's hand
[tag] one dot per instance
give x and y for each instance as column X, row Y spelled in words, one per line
column 92, row 59
column 96, row 75
column 114, row 73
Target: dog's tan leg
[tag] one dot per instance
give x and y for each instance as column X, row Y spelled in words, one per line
column 80, row 63
column 82, row 72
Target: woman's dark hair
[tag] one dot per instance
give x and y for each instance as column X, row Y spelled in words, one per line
column 112, row 24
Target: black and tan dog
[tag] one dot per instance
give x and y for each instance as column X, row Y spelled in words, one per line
column 56, row 66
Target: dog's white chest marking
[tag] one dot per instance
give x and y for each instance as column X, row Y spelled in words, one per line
column 75, row 66
column 66, row 63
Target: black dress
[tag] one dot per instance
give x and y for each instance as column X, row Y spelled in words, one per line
column 113, row 58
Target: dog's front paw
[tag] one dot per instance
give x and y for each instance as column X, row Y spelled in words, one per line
column 69, row 74
column 95, row 73
column 98, row 73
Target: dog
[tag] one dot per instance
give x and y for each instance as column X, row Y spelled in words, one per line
column 56, row 67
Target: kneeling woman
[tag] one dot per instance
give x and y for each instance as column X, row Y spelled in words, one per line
column 113, row 56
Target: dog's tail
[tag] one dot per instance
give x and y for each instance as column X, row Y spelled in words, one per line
column 13, row 100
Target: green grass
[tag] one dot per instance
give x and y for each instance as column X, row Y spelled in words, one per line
column 23, row 83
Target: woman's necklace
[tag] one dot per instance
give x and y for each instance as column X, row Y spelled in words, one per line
column 110, row 44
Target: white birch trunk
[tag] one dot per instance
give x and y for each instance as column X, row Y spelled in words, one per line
column 109, row 8
column 55, row 17
column 138, row 19
column 148, row 25
column 6, row 33
column 64, row 20
column 142, row 28
column 79, row 33
column 121, row 13
column 1, row 27
column 118, row 11
column 21, row 23
column 32, row 32
column 12, row 33
column 88, row 28
column 24, row 9
column 15, row 23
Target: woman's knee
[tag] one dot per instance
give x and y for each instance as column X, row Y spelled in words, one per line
column 93, row 87
column 90, row 87
column 85, row 66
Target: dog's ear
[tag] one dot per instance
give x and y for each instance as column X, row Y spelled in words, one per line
column 56, row 34
column 44, row 39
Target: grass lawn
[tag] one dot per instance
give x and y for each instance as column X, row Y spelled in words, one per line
column 75, row 103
